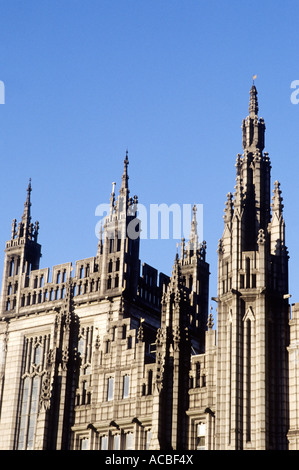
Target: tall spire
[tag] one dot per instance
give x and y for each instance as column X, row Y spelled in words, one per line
column 193, row 239
column 252, row 288
column 123, row 199
column 253, row 103
column 22, row 256
column 26, row 217
column 25, row 228
column 125, row 177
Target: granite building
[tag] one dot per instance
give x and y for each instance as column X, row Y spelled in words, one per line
column 110, row 354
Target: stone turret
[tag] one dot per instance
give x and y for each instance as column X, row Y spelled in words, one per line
column 252, row 301
column 118, row 248
column 22, row 256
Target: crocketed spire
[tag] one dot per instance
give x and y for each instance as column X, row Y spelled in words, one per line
column 26, row 217
column 125, row 177
column 253, row 128
column 25, row 228
column 277, row 198
column 193, row 239
column 253, row 103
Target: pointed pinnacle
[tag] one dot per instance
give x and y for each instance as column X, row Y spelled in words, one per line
column 253, row 103
column 26, row 214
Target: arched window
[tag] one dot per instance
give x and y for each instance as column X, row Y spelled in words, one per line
column 35, row 353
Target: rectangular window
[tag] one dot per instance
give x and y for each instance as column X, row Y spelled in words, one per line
column 126, row 386
column 110, row 388
column 116, row 442
column 247, row 268
column 129, row 441
column 201, row 436
column 104, row 443
column 148, row 435
column 84, row 444
column 23, row 419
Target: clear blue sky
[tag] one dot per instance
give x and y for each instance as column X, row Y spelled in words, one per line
column 167, row 79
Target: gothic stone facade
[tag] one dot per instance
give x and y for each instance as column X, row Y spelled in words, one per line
column 112, row 355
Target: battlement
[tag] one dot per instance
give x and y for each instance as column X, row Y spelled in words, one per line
column 45, row 288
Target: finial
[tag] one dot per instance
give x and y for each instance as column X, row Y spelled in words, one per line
column 261, row 239
column 101, row 232
column 182, row 249
column 36, row 229
column 253, row 103
column 238, row 163
column 238, row 194
column 13, row 229
column 210, row 323
column 26, row 217
column 100, row 244
column 140, row 334
column 277, row 199
column 254, row 78
column 29, row 189
column 228, row 211
column 126, row 160
column 194, row 210
column 203, row 250
column 112, row 198
column 193, row 238
column 125, row 177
